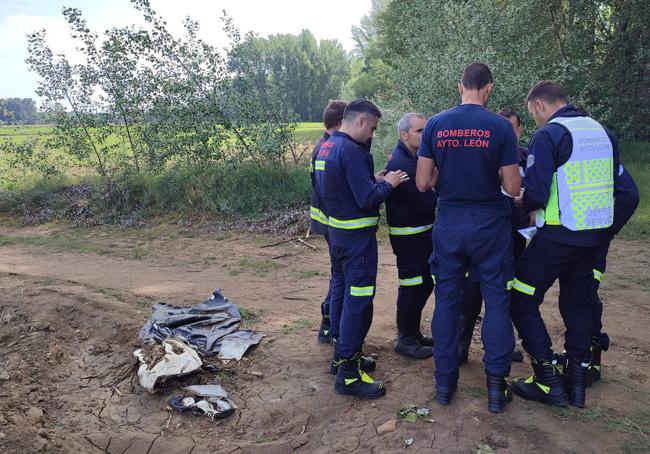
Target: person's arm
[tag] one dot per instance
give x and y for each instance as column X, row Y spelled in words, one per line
column 539, row 172
column 426, row 174
column 510, row 179
column 366, row 192
column 509, row 162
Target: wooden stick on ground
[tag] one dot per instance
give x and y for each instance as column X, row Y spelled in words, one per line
column 293, row 238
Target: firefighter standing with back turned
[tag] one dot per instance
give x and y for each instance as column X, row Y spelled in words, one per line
column 469, row 154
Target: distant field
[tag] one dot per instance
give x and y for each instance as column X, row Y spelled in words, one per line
column 634, row 155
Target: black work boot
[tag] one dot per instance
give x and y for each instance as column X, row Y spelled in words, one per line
column 353, row 381
column 499, row 393
column 464, row 338
column 444, row 394
column 576, row 382
column 545, row 385
column 426, row 341
column 517, row 356
column 367, row 363
column 411, row 347
column 599, row 344
column 463, row 351
column 324, row 333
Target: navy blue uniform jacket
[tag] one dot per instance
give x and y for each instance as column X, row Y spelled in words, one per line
column 407, row 206
column 347, row 184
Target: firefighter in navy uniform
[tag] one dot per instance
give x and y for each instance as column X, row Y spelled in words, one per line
column 469, row 154
column 471, row 299
column 570, row 182
column 352, row 194
column 332, row 117
column 626, row 200
column 410, row 216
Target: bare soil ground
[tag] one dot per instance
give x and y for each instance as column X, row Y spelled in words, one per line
column 72, row 301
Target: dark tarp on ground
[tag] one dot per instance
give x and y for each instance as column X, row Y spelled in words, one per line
column 206, row 326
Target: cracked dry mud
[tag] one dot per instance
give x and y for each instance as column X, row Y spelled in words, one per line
column 70, row 313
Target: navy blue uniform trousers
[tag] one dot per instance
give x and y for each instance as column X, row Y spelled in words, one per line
column 415, row 282
column 477, row 238
column 539, row 266
column 354, row 272
column 471, row 299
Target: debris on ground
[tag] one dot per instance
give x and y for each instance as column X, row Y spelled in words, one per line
column 175, row 337
column 173, row 358
column 388, row 426
column 406, row 442
column 411, row 413
column 205, row 400
column 210, row 327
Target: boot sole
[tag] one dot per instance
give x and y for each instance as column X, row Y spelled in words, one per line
column 350, row 392
column 547, row 401
column 396, row 350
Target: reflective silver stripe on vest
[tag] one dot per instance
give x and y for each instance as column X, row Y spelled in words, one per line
column 408, row 230
column 585, row 183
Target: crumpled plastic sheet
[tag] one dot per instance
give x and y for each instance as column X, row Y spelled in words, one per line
column 207, row 326
column 173, row 358
column 209, row 400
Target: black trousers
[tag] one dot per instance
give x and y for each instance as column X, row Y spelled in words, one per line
column 416, row 283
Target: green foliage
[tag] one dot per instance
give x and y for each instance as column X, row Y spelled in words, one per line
column 635, row 156
column 143, row 98
column 598, row 50
column 303, row 73
column 224, row 188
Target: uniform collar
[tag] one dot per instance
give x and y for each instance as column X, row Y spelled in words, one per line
column 567, row 111
column 404, row 149
column 365, row 146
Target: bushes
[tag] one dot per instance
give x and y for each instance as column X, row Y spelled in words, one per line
column 242, row 190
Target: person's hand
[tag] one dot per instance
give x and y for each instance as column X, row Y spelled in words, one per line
column 531, row 218
column 379, row 176
column 396, row 178
column 519, row 200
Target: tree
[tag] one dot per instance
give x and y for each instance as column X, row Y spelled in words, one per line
column 18, row 111
column 305, row 74
column 599, row 51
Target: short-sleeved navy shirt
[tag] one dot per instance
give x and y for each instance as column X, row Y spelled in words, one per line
column 469, row 144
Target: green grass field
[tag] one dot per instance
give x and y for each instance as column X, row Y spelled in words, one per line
column 634, row 155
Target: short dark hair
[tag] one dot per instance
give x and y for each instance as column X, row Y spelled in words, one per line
column 476, row 76
column 360, row 106
column 546, row 90
column 509, row 112
column 333, row 113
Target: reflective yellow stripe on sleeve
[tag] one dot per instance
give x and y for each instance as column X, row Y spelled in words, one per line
column 362, row 291
column 523, row 288
column 319, row 164
column 318, row 215
column 598, row 275
column 400, row 231
column 349, row 224
column 433, row 278
column 411, row 281
column 509, row 285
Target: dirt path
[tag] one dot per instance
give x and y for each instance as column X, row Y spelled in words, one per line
column 73, row 300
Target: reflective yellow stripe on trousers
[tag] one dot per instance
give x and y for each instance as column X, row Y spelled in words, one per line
column 598, row 275
column 400, row 231
column 349, row 224
column 362, row 291
column 410, row 282
column 523, row 288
